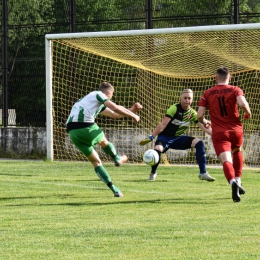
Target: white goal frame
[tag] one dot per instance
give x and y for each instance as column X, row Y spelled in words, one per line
column 48, row 57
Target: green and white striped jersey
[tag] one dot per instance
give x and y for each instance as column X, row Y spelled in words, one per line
column 87, row 108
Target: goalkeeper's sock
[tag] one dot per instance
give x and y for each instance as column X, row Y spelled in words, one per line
column 111, row 151
column 201, row 156
column 154, row 167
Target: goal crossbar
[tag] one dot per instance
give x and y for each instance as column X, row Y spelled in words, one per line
column 192, row 29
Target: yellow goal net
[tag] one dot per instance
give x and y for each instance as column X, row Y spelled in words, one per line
column 151, row 67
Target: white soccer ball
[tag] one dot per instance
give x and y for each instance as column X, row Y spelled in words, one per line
column 151, row 157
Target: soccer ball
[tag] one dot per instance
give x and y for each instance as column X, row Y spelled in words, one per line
column 151, row 157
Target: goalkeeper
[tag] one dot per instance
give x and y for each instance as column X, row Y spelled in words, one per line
column 171, row 130
column 85, row 133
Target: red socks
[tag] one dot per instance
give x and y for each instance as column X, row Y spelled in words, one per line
column 228, row 171
column 238, row 161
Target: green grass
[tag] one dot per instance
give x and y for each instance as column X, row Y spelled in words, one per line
column 61, row 210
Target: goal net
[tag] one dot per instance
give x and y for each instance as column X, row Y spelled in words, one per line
column 151, row 67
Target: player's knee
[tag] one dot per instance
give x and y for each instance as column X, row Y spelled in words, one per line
column 95, row 161
column 196, row 142
column 159, row 148
column 225, row 157
column 199, row 144
column 104, row 142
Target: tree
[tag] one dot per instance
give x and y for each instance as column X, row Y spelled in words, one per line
column 26, row 87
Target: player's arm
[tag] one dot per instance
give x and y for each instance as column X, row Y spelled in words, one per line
column 207, row 129
column 203, row 123
column 116, row 111
column 159, row 128
column 243, row 104
column 136, row 107
column 110, row 113
column 201, row 118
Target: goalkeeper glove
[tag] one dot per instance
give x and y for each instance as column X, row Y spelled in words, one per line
column 147, row 140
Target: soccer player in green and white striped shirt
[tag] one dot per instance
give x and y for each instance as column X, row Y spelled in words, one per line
column 85, row 133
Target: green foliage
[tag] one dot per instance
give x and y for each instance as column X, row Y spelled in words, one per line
column 107, row 15
column 29, row 13
column 190, row 13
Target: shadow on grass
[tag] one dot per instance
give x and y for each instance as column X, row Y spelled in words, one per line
column 26, row 175
column 122, row 201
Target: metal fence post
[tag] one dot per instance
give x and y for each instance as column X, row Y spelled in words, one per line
column 4, row 63
column 72, row 8
column 149, row 14
column 236, row 11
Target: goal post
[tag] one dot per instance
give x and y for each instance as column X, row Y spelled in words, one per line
column 49, row 119
column 152, row 67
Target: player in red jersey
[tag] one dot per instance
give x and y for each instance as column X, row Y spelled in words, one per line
column 223, row 100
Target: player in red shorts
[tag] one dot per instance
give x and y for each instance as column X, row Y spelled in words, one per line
column 222, row 100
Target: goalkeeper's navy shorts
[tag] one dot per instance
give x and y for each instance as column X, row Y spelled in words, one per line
column 182, row 142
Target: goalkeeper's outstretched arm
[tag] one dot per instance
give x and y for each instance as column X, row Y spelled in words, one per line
column 160, row 127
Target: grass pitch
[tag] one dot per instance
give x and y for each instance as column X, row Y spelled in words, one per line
column 61, row 210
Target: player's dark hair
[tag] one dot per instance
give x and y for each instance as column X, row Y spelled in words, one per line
column 105, row 86
column 223, row 72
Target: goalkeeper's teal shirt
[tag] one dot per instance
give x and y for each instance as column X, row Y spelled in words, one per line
column 180, row 120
